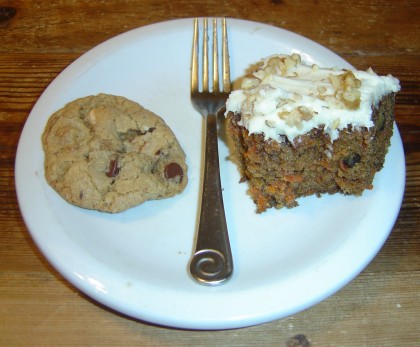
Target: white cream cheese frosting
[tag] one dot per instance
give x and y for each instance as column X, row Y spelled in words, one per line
column 285, row 96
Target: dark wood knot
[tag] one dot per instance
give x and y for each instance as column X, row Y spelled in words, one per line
column 298, row 340
column 6, row 14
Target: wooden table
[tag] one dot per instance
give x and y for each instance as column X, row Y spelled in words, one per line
column 381, row 307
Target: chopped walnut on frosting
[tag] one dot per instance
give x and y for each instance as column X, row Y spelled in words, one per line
column 286, row 96
column 346, row 89
column 296, row 116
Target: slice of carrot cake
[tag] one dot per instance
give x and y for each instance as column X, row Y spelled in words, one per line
column 300, row 129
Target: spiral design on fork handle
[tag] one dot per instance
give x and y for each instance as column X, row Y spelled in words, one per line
column 209, row 266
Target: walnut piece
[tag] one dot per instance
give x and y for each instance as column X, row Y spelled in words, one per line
column 346, row 89
column 296, row 117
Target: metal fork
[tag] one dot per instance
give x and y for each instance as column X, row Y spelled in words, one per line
column 212, row 260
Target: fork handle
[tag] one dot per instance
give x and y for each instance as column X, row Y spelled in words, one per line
column 212, row 261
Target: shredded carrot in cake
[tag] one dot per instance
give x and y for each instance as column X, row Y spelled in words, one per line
column 293, row 178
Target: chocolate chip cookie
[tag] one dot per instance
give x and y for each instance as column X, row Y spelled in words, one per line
column 108, row 153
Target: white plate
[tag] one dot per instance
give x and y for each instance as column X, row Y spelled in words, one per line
column 136, row 262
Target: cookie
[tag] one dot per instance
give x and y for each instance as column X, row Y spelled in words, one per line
column 108, row 153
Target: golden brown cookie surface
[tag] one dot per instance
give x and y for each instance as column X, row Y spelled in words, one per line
column 108, row 153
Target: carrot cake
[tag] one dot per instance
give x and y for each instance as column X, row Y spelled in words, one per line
column 300, row 129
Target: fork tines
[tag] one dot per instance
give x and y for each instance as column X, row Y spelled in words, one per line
column 215, row 87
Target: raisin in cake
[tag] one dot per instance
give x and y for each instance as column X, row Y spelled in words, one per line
column 300, row 129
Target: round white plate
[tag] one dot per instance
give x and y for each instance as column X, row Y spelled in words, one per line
column 136, row 262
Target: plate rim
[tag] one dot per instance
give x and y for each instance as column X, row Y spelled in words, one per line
column 148, row 316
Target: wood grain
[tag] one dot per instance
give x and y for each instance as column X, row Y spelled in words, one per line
column 38, row 39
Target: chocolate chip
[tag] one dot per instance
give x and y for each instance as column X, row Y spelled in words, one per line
column 113, row 168
column 131, row 134
column 173, row 170
column 150, row 130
